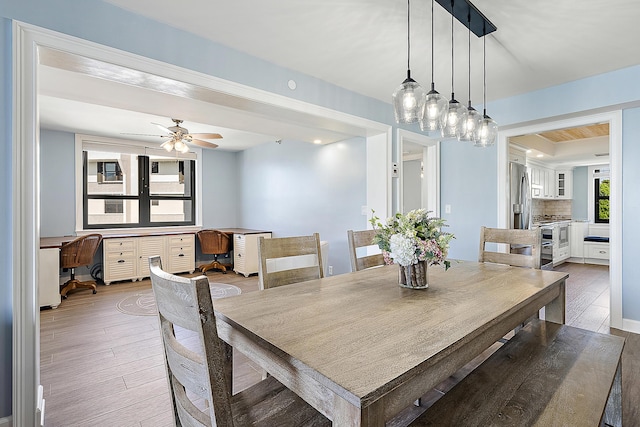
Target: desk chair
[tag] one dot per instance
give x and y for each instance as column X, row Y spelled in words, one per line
column 362, row 239
column 200, row 379
column 214, row 242
column 78, row 253
column 522, row 238
column 287, row 260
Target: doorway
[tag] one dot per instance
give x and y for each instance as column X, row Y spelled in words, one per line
column 614, row 120
column 28, row 40
column 418, row 172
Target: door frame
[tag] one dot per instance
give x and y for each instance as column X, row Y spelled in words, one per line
column 27, row 39
column 614, row 118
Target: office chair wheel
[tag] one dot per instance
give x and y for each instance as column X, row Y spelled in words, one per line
column 95, row 292
column 64, row 297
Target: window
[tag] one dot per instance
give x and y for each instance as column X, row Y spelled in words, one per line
column 108, row 172
column 135, row 190
column 601, row 196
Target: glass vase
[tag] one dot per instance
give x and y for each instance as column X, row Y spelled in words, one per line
column 414, row 276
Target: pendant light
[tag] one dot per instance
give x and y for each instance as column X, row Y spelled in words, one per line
column 488, row 129
column 456, row 112
column 408, row 98
column 472, row 121
column 435, row 104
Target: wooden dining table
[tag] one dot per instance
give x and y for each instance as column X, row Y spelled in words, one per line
column 360, row 348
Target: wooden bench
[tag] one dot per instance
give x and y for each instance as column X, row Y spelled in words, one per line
column 546, row 375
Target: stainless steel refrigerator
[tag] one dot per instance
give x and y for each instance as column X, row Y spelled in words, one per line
column 520, row 197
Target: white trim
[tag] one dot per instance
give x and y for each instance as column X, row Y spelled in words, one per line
column 431, row 199
column 614, row 118
column 27, row 39
column 631, row 325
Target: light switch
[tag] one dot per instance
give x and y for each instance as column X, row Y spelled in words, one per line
column 447, row 208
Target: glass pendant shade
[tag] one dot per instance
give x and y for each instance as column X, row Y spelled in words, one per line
column 434, row 108
column 168, row 146
column 453, row 119
column 408, row 100
column 487, row 132
column 470, row 125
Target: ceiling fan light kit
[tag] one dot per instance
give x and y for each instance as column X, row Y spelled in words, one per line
column 180, row 138
column 453, row 119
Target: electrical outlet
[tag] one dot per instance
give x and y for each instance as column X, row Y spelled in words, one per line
column 330, row 270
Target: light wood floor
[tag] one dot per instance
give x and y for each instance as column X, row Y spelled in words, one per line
column 100, row 367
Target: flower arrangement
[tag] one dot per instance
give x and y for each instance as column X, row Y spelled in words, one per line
column 408, row 239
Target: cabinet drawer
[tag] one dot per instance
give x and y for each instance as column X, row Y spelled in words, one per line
column 119, row 245
column 185, row 239
column 181, row 259
column 596, row 250
column 119, row 266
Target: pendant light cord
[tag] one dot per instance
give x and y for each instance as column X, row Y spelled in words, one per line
column 469, row 20
column 408, row 36
column 432, row 55
column 484, row 73
column 452, row 73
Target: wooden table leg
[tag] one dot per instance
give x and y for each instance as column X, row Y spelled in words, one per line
column 555, row 310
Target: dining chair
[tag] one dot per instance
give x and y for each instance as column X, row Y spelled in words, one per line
column 200, row 378
column 287, row 260
column 214, row 242
column 519, row 242
column 78, row 253
column 359, row 241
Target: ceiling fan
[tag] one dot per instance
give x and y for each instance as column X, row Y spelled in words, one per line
column 179, row 137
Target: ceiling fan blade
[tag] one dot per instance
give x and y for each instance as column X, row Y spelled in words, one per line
column 206, row 135
column 146, row 134
column 201, row 143
column 164, row 128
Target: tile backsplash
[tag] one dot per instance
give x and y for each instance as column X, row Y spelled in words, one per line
column 550, row 209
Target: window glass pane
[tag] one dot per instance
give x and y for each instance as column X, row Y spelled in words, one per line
column 109, row 211
column 604, row 188
column 172, row 177
column 112, row 173
column 171, row 211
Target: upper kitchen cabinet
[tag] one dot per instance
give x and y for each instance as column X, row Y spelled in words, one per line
column 517, row 155
column 564, row 184
column 547, row 183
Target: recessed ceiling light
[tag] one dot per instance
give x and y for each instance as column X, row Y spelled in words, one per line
column 317, row 141
column 540, row 155
column 292, row 84
column 528, row 151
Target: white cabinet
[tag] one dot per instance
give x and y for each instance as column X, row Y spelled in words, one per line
column 564, row 184
column 49, row 277
column 245, row 252
column 517, row 155
column 597, row 250
column 181, row 253
column 119, row 259
column 548, row 183
column 128, row 258
column 579, row 231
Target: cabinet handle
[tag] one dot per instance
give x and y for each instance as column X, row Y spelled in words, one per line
column 239, row 255
column 181, row 255
column 120, row 261
column 603, row 252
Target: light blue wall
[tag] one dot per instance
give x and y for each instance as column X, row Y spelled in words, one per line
column 468, row 183
column 580, row 201
column 468, row 175
column 57, row 184
column 220, row 186
column 296, row 188
column 6, row 242
column 631, row 212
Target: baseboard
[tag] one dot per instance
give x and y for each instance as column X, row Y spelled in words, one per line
column 6, row 422
column 630, row 325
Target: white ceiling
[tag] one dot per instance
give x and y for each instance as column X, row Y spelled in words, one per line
column 361, row 45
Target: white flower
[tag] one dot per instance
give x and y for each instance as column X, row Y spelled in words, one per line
column 403, row 249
